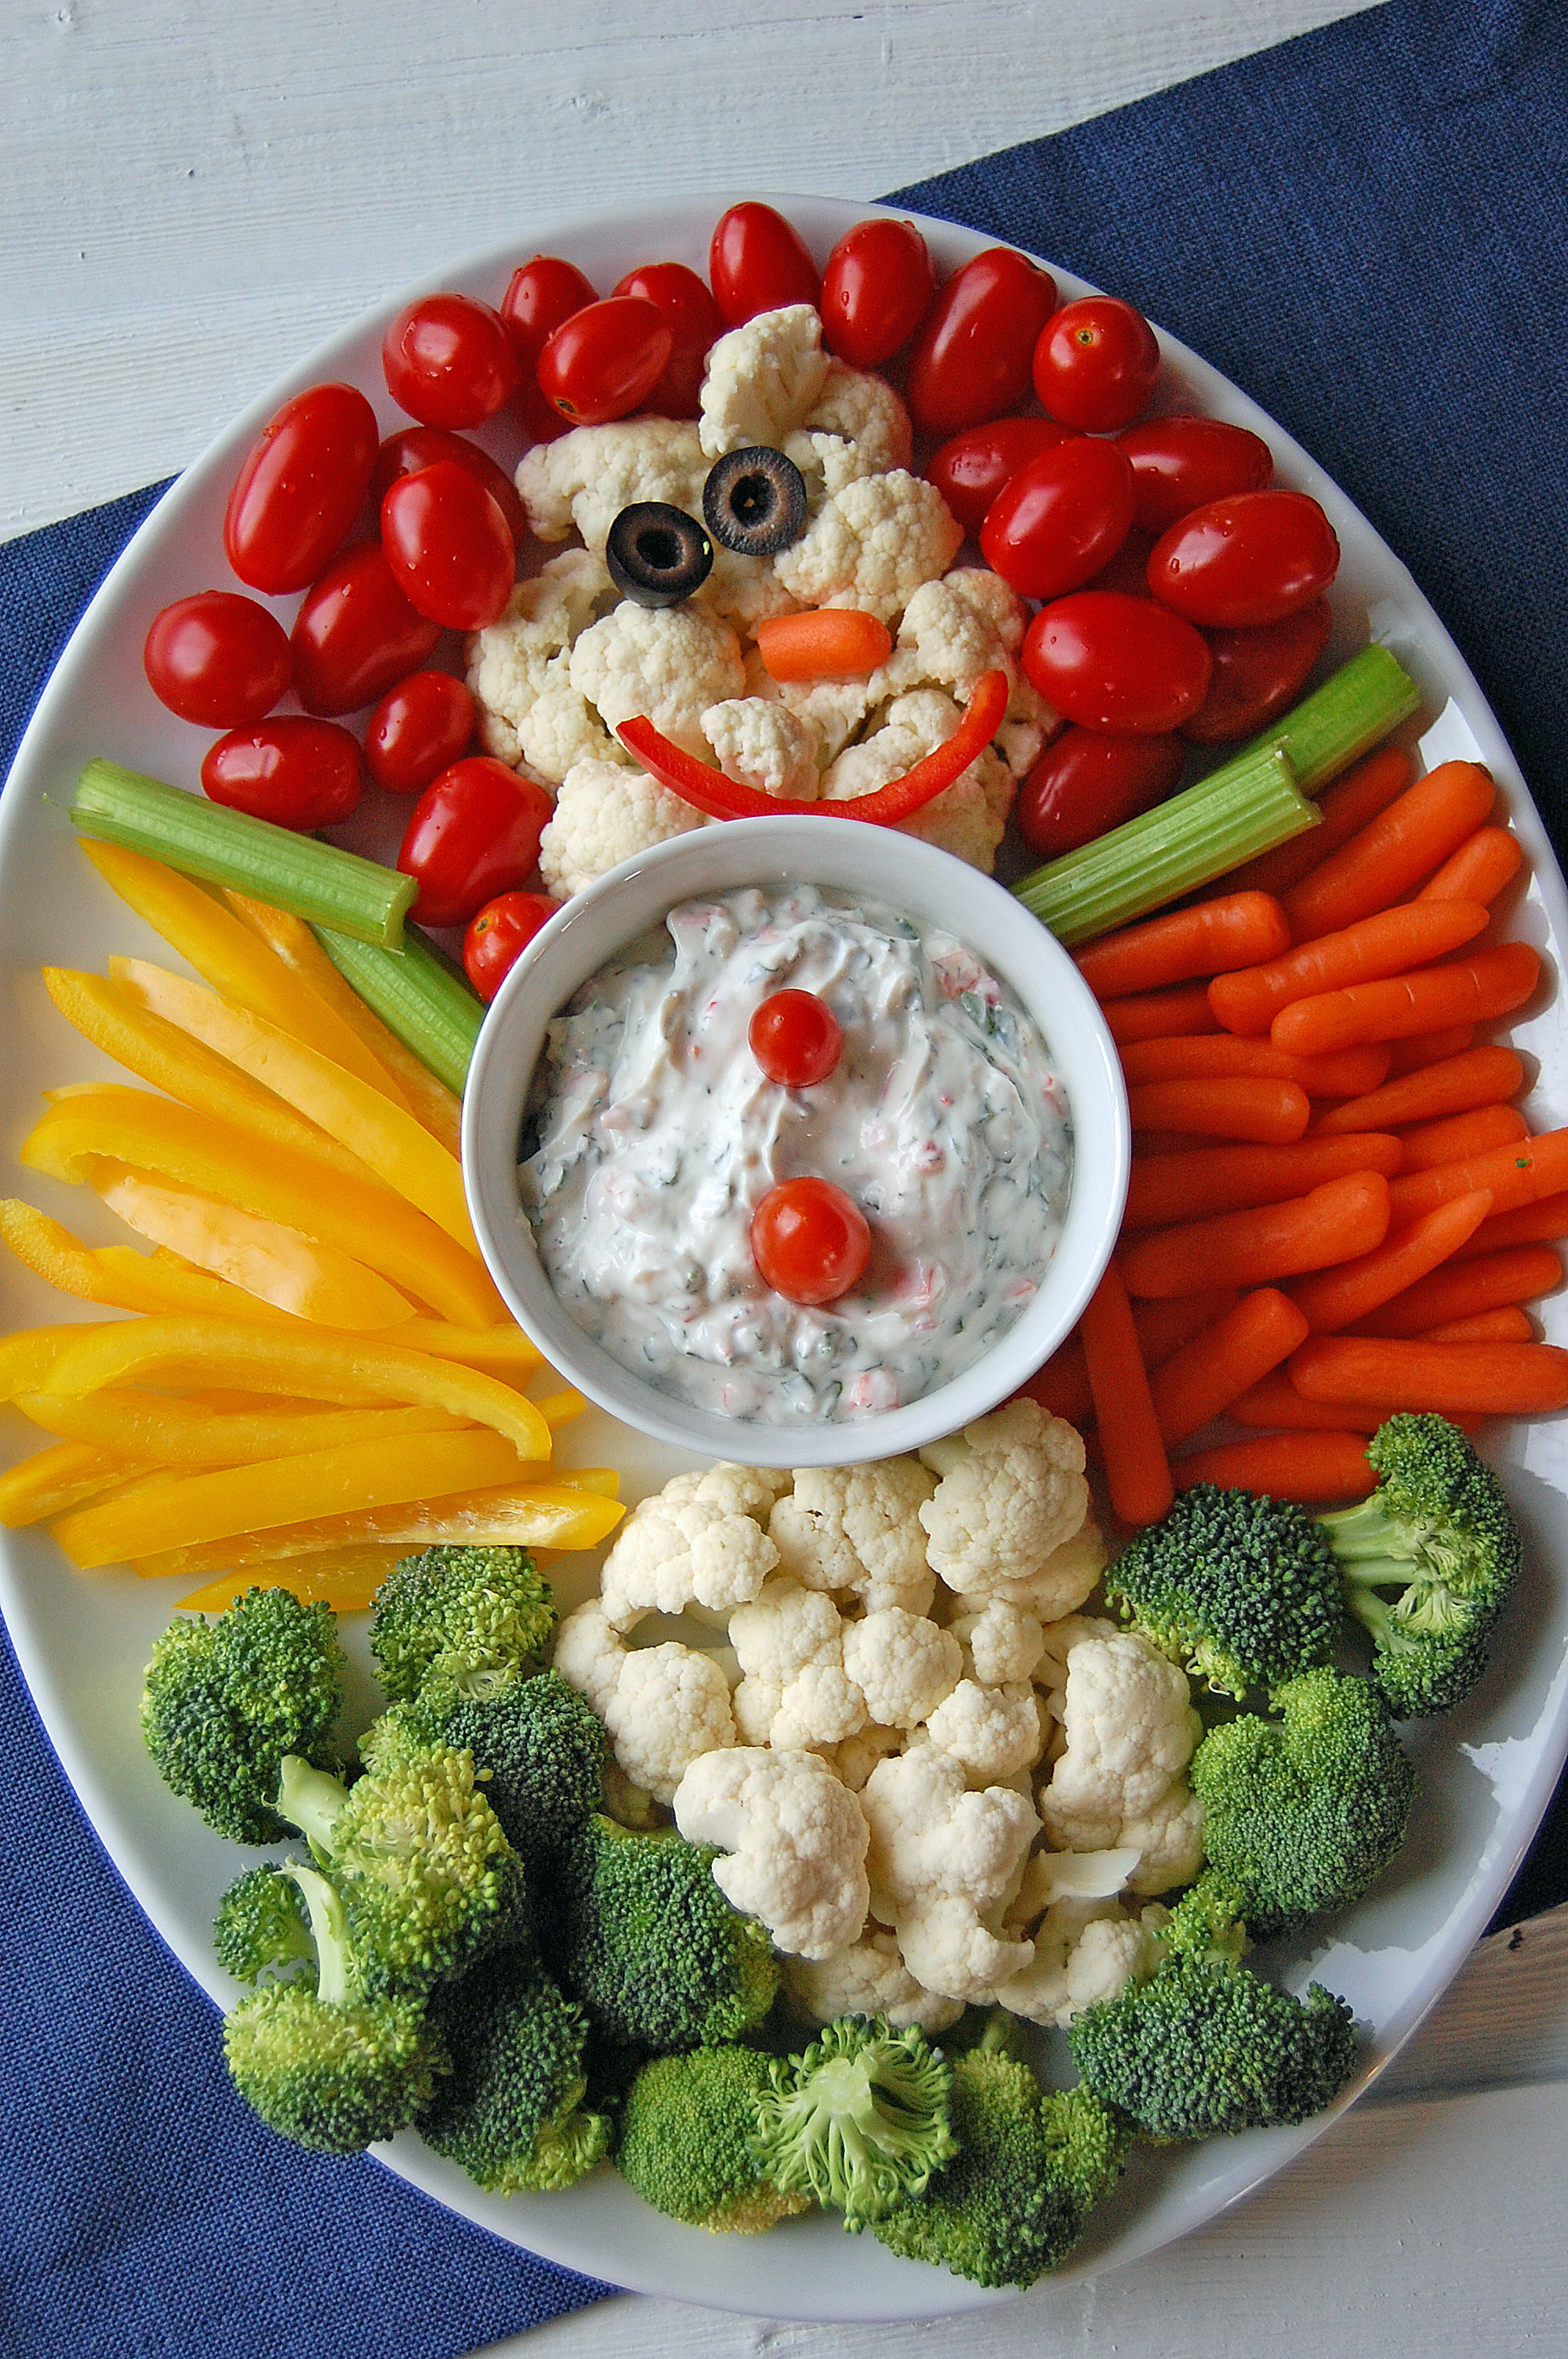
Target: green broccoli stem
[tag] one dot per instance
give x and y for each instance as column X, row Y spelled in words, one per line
column 329, row 1931
column 310, row 1800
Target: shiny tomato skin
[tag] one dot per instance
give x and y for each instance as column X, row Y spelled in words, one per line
column 449, row 361
column 877, row 288
column 1060, row 518
column 1257, row 674
column 294, row 772
column 758, row 261
column 449, row 546
column 695, row 324
column 795, row 1036
column 604, row 361
column 1086, row 783
column 217, row 658
column 1129, row 568
column 971, row 360
column 973, row 468
column 1252, row 557
column 810, row 1242
column 1125, row 666
column 412, row 446
column 499, row 933
column 421, row 728
column 1095, row 365
column 542, row 293
column 1179, row 463
column 473, row 834
column 298, row 492
column 356, row 635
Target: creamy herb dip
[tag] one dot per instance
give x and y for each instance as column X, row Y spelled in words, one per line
column 651, row 1135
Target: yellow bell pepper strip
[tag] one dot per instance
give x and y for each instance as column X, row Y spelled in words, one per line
column 179, row 1510
column 154, row 1282
column 504, row 1351
column 226, row 955
column 291, row 939
column 345, row 1579
column 52, row 1480
column 385, row 1137
column 196, row 1151
column 168, row 1432
column 28, row 1356
column 560, row 1408
column 158, row 1052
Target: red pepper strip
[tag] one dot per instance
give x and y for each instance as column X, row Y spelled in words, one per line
column 721, row 797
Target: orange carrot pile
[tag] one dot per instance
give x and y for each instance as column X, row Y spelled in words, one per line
column 1137, row 1471
column 1397, row 851
column 1479, row 1077
column 1465, row 991
column 1210, row 938
column 1387, row 944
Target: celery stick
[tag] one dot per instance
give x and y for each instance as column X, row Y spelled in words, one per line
column 417, row 995
column 1342, row 720
column 296, row 873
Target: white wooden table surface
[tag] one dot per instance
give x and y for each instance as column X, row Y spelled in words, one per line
column 191, row 200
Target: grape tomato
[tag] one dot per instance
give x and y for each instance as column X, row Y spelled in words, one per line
column 601, row 363
column 1252, row 557
column 421, row 727
column 541, row 295
column 1085, row 783
column 758, row 261
column 473, row 834
column 1178, row 463
column 412, row 446
column 296, row 772
column 794, row 1038
column 356, row 635
column 498, row 935
column 1258, row 673
column 449, row 361
column 877, row 288
column 1095, row 363
column 217, row 658
column 695, row 324
column 809, row 1240
column 1060, row 518
column 1126, row 666
column 449, row 546
column 295, row 497
column 971, row 360
column 972, row 469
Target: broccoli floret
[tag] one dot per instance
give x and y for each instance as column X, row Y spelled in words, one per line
column 463, row 1621
column 1206, row 2048
column 329, row 2068
column 859, row 2121
column 1031, row 2164
column 540, row 1748
column 511, row 2111
column 1437, row 1531
column 262, row 1928
column 1300, row 1814
column 637, row 1929
column 1241, row 1591
column 224, row 1699
column 685, row 2142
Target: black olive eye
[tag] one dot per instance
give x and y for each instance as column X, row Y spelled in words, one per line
column 754, row 501
column 657, row 554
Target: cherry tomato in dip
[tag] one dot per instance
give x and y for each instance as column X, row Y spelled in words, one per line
column 296, row 773
column 876, row 292
column 217, row 658
column 971, row 359
column 412, row 446
column 1085, row 783
column 474, row 833
column 757, row 261
column 421, row 727
column 809, row 1240
column 497, row 936
column 298, row 494
column 1252, row 557
column 794, row 1038
column 449, row 546
column 604, row 361
column 356, row 635
column 975, row 467
column 693, row 319
column 1123, row 665
column 1257, row 674
column 1095, row 363
column 542, row 293
column 449, row 361
column 1060, row 518
column 1178, row 463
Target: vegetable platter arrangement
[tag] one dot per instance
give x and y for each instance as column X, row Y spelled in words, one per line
column 427, row 1968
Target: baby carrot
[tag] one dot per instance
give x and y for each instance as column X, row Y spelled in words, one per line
column 1203, row 1378
column 1395, row 853
column 1336, row 1296
column 1150, row 1014
column 1490, row 1380
column 1343, row 810
column 1516, row 1175
column 1468, row 990
column 1333, row 1222
column 1165, row 1327
column 1430, row 1048
column 1458, row 1135
column 1477, row 1077
column 1269, row 1112
column 1506, row 1325
column 1183, row 1187
column 1483, row 864
column 1062, row 1386
column 1311, row 1468
column 1275, row 1402
column 1490, row 1281
column 1391, row 943
column 1540, row 1223
column 1235, row 929
column 1208, row 1057
column 832, row 643
column 1137, row 1473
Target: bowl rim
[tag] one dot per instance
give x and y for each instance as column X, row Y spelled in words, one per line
column 894, row 868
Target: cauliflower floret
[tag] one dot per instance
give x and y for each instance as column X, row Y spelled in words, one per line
column 698, row 1548
column 763, row 379
column 782, row 1628
column 1025, row 727
column 671, row 1706
column 872, row 545
column 868, row 1978
column 509, row 660
column 587, row 477
column 834, row 708
column 588, row 1654
column 932, row 1836
column 968, row 818
column 743, row 591
column 669, row 662
column 561, row 728
column 820, row 1707
column 797, row 1840
column 855, row 405
column 1085, row 1952
column 902, row 1665
column 764, row 744
column 788, row 1643
column 603, row 814
column 1004, row 1645
column 1013, row 1493
column 953, row 630
column 857, row 1755
column 1169, row 1840
column 1130, row 1730
column 949, row 1949
column 991, row 1732
column 854, row 1530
